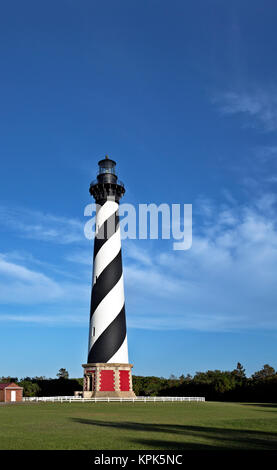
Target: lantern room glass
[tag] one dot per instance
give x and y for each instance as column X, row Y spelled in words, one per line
column 103, row 170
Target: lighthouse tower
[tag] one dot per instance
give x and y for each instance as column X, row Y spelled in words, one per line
column 107, row 372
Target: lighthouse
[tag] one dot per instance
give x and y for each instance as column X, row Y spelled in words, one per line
column 107, row 372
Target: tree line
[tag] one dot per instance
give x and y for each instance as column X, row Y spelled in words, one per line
column 213, row 385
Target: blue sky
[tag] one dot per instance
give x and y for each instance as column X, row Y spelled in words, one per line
column 183, row 96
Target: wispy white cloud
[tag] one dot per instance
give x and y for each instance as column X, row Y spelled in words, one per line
column 133, row 251
column 42, row 226
column 24, row 257
column 84, row 257
column 22, row 285
column 47, row 320
column 257, row 107
column 225, row 282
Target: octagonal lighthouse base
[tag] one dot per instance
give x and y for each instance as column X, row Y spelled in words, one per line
column 107, row 380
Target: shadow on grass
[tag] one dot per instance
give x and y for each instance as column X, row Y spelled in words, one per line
column 261, row 405
column 217, row 438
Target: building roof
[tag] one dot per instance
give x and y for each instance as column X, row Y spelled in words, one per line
column 6, row 385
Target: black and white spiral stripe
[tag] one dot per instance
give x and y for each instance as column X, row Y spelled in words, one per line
column 107, row 337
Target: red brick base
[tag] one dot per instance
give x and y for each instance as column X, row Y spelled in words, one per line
column 107, row 380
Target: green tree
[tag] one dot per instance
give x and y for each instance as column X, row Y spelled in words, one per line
column 8, row 379
column 264, row 373
column 172, row 377
column 183, row 378
column 188, row 378
column 63, row 374
column 239, row 371
column 30, row 389
column 239, row 375
column 223, row 383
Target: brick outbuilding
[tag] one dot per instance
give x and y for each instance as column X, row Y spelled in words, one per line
column 10, row 392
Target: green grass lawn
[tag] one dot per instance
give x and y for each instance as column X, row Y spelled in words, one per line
column 196, row 426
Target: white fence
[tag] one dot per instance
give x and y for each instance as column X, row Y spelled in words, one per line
column 71, row 399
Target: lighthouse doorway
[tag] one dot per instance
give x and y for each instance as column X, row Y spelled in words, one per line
column 90, row 383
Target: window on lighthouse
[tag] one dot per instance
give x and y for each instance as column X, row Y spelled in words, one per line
column 107, row 170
